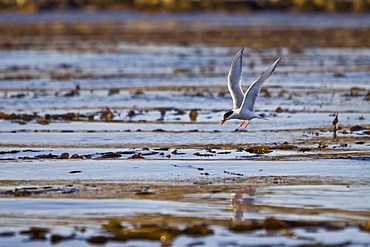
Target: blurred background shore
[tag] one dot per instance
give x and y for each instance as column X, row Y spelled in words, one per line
column 100, row 25
column 356, row 6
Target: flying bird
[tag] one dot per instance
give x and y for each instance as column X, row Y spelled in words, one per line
column 244, row 102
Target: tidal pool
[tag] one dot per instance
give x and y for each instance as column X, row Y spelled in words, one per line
column 314, row 197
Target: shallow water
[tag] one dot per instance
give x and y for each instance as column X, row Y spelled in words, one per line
column 159, row 165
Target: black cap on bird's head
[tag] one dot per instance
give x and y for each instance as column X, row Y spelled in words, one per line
column 226, row 115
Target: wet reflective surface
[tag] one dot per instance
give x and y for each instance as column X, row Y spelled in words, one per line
column 123, row 146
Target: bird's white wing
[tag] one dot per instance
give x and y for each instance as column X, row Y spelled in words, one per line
column 253, row 91
column 234, row 79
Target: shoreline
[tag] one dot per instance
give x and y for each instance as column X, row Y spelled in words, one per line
column 189, row 5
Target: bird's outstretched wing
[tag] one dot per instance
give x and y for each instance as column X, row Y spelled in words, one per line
column 253, row 91
column 234, row 79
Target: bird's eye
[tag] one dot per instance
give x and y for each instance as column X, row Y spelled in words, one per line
column 227, row 114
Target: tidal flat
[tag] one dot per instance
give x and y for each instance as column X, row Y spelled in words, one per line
column 110, row 130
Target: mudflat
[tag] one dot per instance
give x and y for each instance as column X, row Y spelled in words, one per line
column 109, row 130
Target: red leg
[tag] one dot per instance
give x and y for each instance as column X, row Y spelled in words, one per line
column 246, row 125
column 240, row 125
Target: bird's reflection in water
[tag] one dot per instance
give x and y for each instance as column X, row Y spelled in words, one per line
column 241, row 203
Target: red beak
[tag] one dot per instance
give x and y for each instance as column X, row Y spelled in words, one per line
column 223, row 121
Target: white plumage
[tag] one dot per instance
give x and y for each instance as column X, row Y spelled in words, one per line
column 244, row 102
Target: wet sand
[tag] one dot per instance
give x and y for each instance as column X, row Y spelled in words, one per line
column 110, row 131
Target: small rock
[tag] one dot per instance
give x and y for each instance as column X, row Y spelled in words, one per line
column 258, row 150
column 193, row 115
column 286, row 147
column 107, row 115
column 161, row 149
column 36, row 233
column 365, row 226
column 113, row 91
column 339, row 74
column 98, row 240
column 55, row 238
column 356, row 128
column 248, row 225
column 113, row 226
column 159, row 130
column 7, row 234
column 302, row 150
column 355, row 91
column 274, row 224
column 111, row 155
column 64, row 156
column 46, row 156
column 198, row 230
column 74, row 156
column 43, row 122
column 138, row 156
column 279, row 110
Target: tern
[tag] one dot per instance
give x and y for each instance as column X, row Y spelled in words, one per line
column 244, row 102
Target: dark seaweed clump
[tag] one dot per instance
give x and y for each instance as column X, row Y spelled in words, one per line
column 29, row 191
column 258, row 150
column 156, row 232
column 115, row 231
